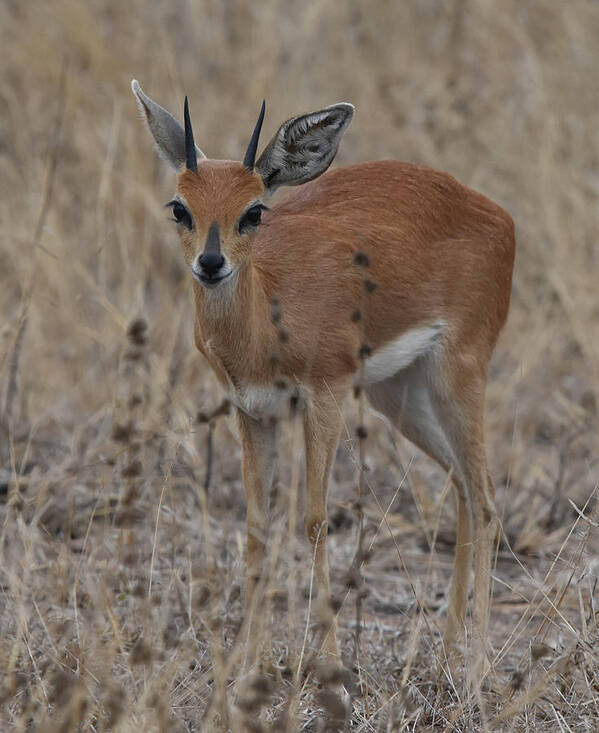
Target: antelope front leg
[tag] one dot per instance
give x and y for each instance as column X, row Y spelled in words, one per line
column 258, row 442
column 322, row 422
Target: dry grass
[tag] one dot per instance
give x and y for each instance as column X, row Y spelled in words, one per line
column 120, row 574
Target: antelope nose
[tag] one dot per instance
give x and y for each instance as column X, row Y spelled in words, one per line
column 211, row 262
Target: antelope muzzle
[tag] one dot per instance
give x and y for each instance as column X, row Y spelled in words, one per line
column 209, row 268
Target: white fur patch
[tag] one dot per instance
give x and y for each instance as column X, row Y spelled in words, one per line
column 264, row 401
column 401, row 352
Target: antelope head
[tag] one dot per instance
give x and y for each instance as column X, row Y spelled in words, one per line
column 219, row 204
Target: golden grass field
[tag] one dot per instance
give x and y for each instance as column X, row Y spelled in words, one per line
column 121, row 574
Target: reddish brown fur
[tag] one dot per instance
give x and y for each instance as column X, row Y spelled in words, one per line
column 440, row 260
column 437, row 250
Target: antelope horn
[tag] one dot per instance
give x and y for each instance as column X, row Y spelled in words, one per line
column 250, row 155
column 191, row 159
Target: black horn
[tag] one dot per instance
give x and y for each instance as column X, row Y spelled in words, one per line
column 250, row 155
column 191, row 159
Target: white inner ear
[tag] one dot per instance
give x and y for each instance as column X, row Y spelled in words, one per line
column 304, row 147
column 323, row 125
column 303, row 125
column 167, row 132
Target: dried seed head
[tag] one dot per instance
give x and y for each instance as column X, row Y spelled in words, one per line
column 170, row 635
column 223, row 409
column 256, row 693
column 215, row 623
column 130, row 558
column 279, row 599
column 132, row 469
column 134, row 401
column 201, row 596
column 356, row 316
column 155, row 701
column 366, row 555
column 61, row 687
column 276, row 312
column 369, row 285
column 262, row 685
column 283, row 335
column 517, row 680
column 113, row 705
column 335, row 604
column 133, row 354
column 361, row 259
column 333, row 706
column 365, row 351
column 137, row 332
column 16, row 502
column 539, row 651
column 589, row 402
column 141, row 652
column 361, row 432
column 357, row 390
column 122, row 433
column 128, row 517
column 280, row 384
column 130, row 497
column 352, row 578
column 332, row 673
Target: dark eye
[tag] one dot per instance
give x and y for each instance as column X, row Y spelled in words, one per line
column 251, row 218
column 180, row 214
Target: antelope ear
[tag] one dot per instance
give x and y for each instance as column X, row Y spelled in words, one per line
column 304, row 147
column 167, row 132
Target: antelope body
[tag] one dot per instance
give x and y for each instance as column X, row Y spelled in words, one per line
column 285, row 318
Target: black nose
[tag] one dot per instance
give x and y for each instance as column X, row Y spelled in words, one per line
column 211, row 262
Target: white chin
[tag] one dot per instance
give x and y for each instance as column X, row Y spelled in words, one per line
column 212, row 283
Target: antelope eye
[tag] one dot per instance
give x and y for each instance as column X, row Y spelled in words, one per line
column 251, row 218
column 180, row 214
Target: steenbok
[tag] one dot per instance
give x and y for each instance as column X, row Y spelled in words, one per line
column 280, row 316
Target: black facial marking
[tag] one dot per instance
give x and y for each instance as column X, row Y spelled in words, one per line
column 273, row 174
column 180, row 214
column 251, row 218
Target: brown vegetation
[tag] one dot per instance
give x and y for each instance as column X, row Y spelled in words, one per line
column 121, row 505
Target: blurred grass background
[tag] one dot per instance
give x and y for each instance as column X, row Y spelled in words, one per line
column 502, row 95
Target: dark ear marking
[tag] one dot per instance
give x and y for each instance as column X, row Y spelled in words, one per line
column 271, row 176
column 304, row 147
